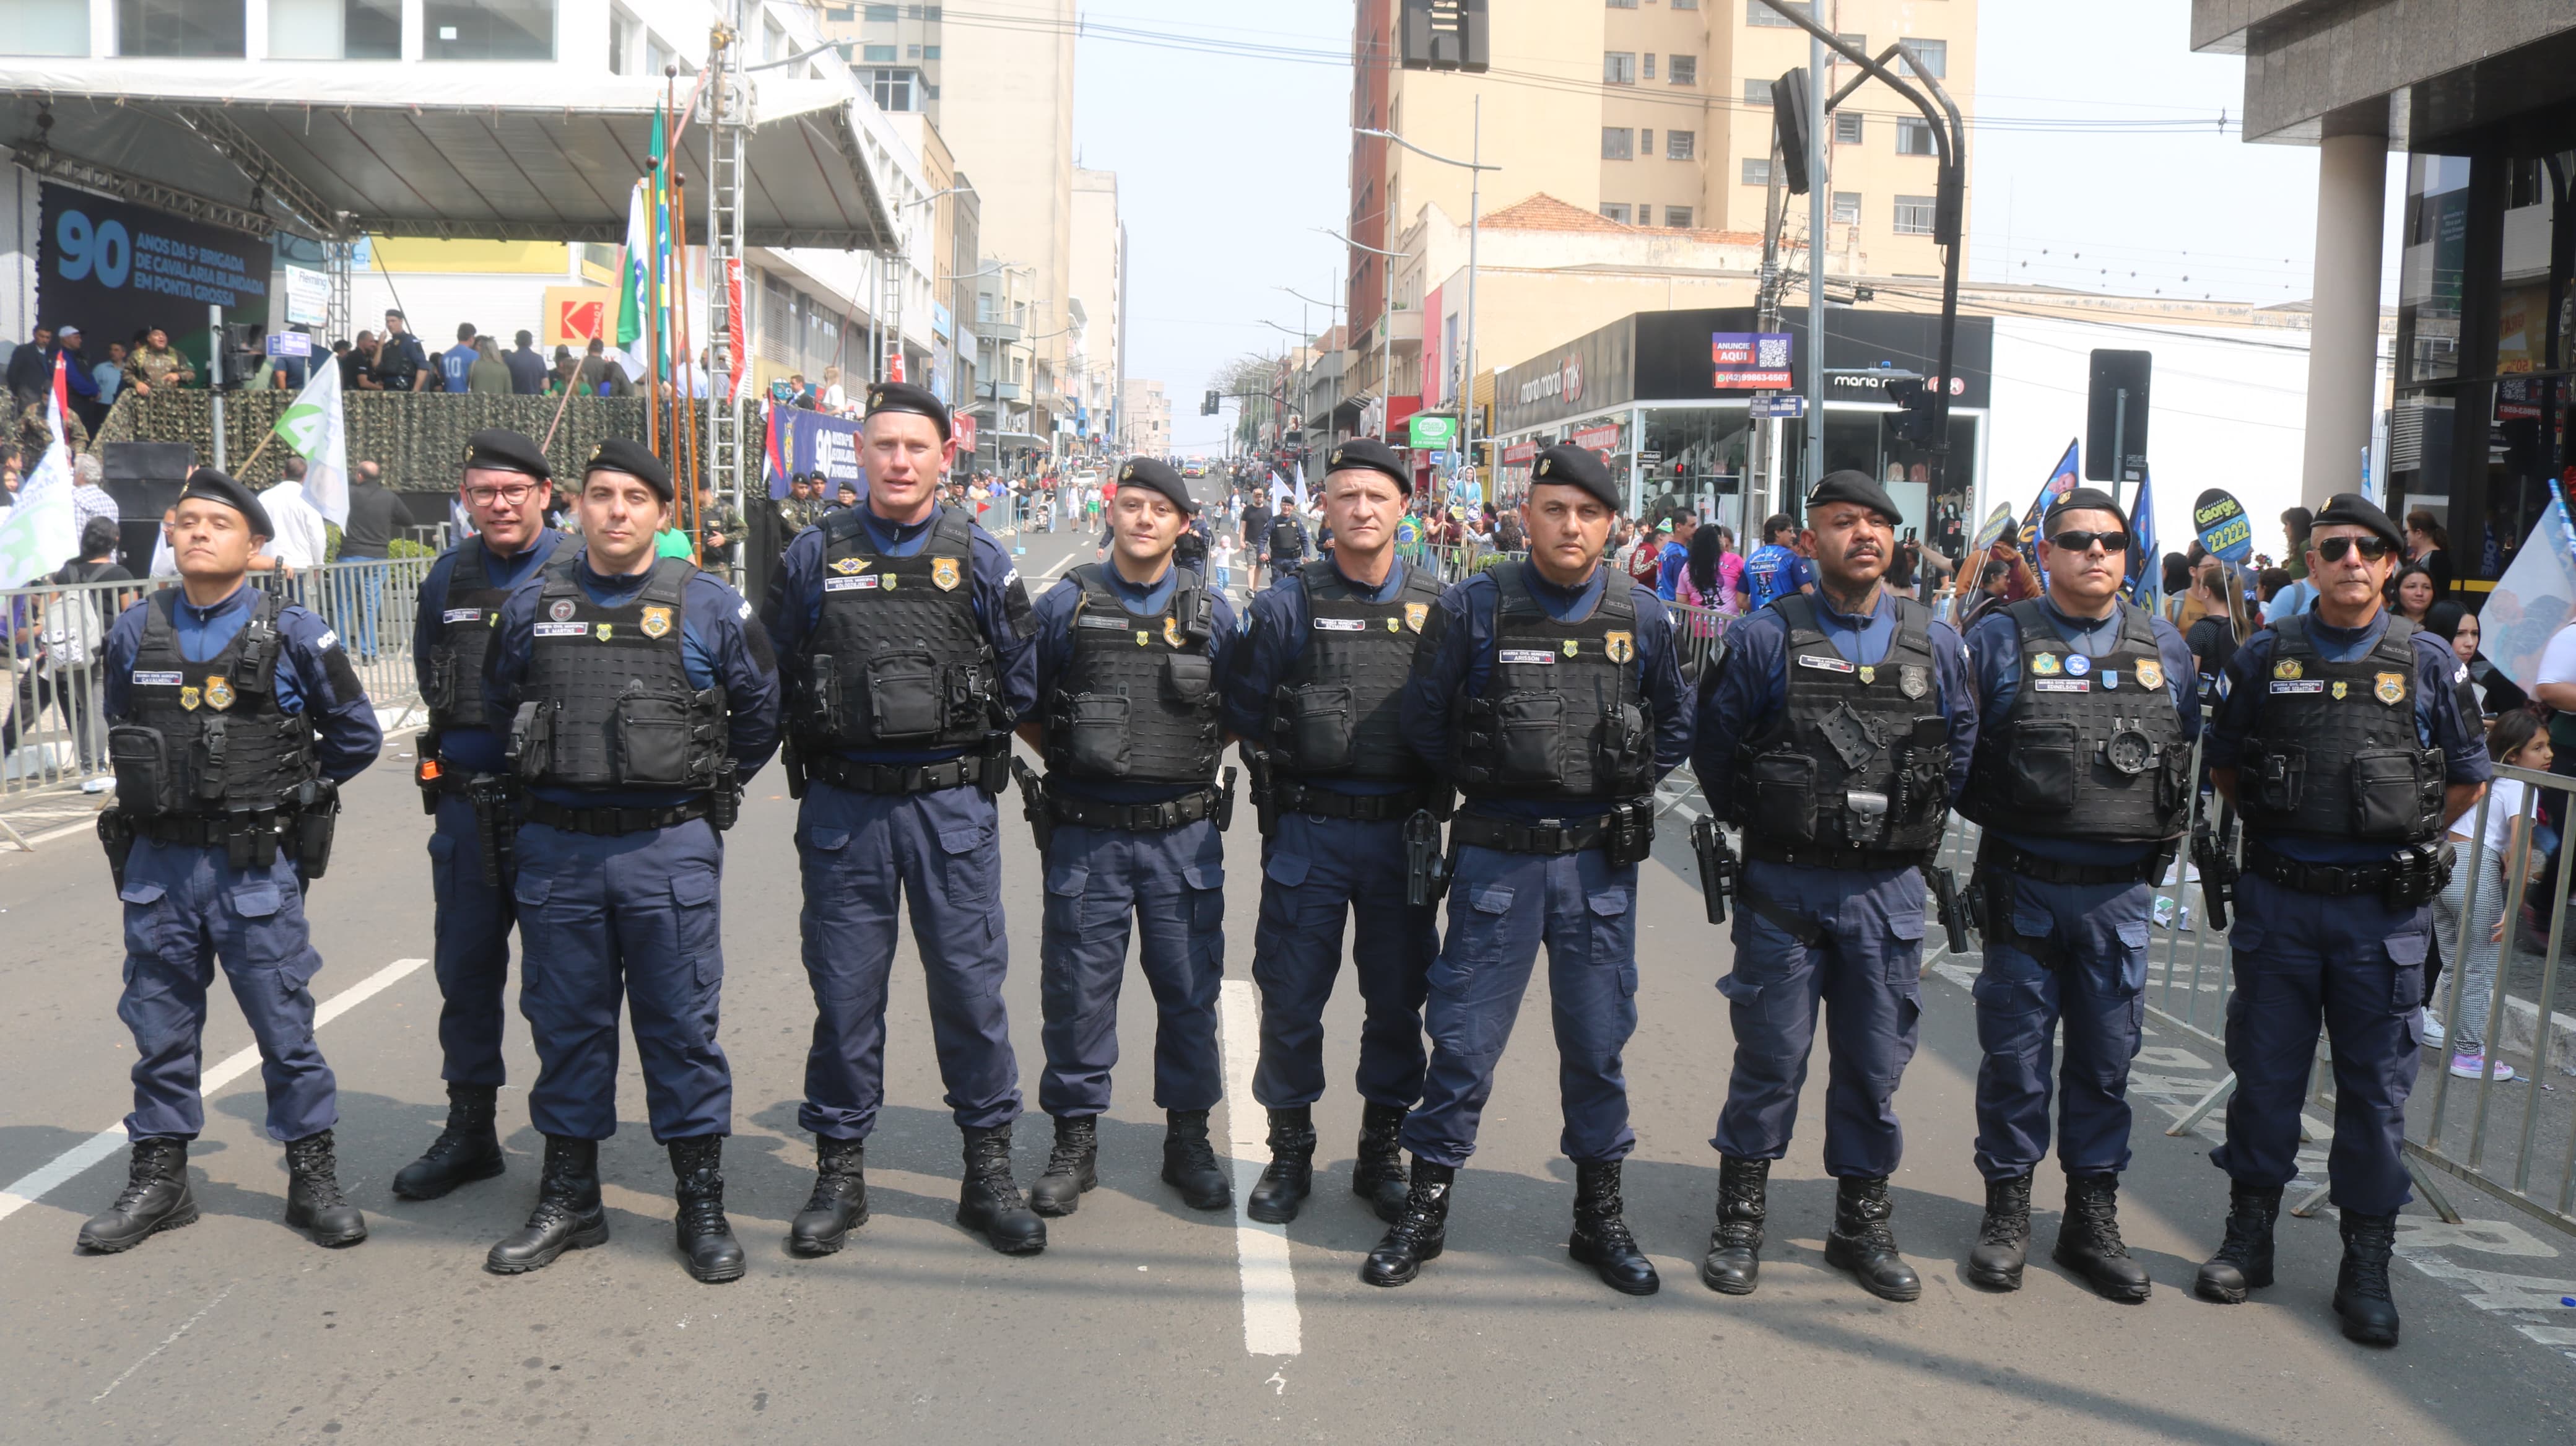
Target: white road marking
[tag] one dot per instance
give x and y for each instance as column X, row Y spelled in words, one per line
column 33, row 1186
column 1270, row 1322
column 166, row 1343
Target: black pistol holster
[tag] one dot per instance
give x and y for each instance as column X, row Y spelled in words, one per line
column 1717, row 867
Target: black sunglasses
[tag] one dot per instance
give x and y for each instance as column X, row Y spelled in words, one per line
column 2076, row 540
column 2373, row 548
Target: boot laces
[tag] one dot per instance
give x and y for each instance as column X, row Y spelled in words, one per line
column 1068, row 1154
column 2102, row 1219
column 2009, row 1229
column 140, row 1178
column 316, row 1165
column 1193, row 1152
column 2367, row 1258
column 2244, row 1227
column 702, row 1204
column 1422, row 1218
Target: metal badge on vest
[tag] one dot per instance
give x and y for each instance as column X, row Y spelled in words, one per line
column 2334, row 751
column 1856, row 770
column 452, row 689
column 898, row 658
column 1562, row 713
column 1336, row 713
column 2092, row 745
column 608, row 700
column 209, row 738
column 1138, row 701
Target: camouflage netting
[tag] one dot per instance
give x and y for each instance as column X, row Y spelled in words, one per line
column 417, row 436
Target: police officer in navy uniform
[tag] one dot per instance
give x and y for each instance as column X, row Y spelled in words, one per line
column 903, row 635
column 1317, row 699
column 464, row 782
column 1549, row 692
column 641, row 695
column 1834, row 733
column 233, row 718
column 2087, row 707
column 2348, row 741
column 1133, row 654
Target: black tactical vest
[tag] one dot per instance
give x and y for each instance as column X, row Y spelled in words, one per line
column 1336, row 712
column 453, row 686
column 1860, row 757
column 1139, row 700
column 2333, row 752
column 608, row 702
column 208, row 737
column 2091, row 748
column 1561, row 714
column 1287, row 537
column 897, row 659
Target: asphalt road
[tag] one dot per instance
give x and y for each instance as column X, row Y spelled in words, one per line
column 1133, row 1326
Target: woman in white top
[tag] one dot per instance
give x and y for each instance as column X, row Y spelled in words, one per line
column 832, row 398
column 2517, row 739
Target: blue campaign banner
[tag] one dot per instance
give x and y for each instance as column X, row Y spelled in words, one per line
column 2226, row 533
column 801, row 442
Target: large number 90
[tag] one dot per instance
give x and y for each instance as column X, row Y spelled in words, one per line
column 79, row 249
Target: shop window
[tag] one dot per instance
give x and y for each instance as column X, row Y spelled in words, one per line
column 195, row 28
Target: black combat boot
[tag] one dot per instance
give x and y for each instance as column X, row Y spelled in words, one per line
column 1862, row 1243
column 2361, row 1286
column 469, row 1149
column 839, row 1203
column 1072, row 1167
column 1733, row 1265
column 1601, row 1239
column 1378, row 1175
column 1420, row 1234
column 2244, row 1260
column 568, row 1214
column 2003, row 1238
column 989, row 1203
column 314, row 1203
column 705, row 1236
column 155, row 1197
column 2088, row 1239
column 1290, row 1176
column 1189, row 1161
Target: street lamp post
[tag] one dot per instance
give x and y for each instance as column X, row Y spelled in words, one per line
column 1385, row 334
column 1475, row 166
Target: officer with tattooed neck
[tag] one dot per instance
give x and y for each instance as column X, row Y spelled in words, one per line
column 2087, row 707
column 1132, row 659
column 1317, row 700
column 233, row 719
column 2348, row 740
column 641, row 695
column 1548, row 691
column 904, row 636
column 1834, row 733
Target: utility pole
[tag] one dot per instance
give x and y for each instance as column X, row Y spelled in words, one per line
column 1819, row 198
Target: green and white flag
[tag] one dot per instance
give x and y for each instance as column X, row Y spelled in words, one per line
column 40, row 533
column 312, row 425
column 635, row 289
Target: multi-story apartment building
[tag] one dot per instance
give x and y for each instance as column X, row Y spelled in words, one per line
column 1145, row 419
column 1096, row 351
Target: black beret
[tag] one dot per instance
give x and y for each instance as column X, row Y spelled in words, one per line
column 2354, row 510
column 1859, row 487
column 1567, row 466
column 498, row 449
column 214, row 486
column 2081, row 499
column 623, row 454
column 1158, row 476
column 905, row 397
column 1372, row 455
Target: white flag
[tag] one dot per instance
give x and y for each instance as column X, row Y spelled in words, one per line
column 313, row 426
column 635, row 298
column 41, row 533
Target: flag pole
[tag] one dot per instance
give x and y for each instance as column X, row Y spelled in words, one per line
column 684, row 432
column 653, row 291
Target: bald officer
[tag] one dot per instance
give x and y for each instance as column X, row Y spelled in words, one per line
column 1317, row 699
column 641, row 695
column 505, row 486
column 233, row 719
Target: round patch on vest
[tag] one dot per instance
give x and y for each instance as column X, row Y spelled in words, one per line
column 2044, row 665
column 561, row 610
column 219, row 693
column 2077, row 665
column 2285, row 668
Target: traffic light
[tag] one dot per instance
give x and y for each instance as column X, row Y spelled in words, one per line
column 1916, row 417
column 1208, row 408
column 1789, row 102
column 1443, row 35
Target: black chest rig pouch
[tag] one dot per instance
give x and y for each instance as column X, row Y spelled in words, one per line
column 2334, row 752
column 1139, row 699
column 208, row 738
column 898, row 659
column 453, row 687
column 608, row 702
column 1561, row 714
column 1859, row 761
column 2092, row 747
column 1336, row 713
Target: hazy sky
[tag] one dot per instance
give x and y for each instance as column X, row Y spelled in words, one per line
column 1227, row 161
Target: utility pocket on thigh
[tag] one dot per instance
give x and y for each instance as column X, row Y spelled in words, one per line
column 1286, row 869
column 1476, row 919
column 147, row 922
column 259, row 907
column 969, row 873
column 2406, row 954
column 1613, row 933
column 1207, row 902
column 1905, row 951
column 695, row 924
column 2132, row 978
column 1064, row 886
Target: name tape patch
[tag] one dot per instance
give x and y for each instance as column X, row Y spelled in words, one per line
column 1829, row 665
column 1527, row 655
column 1088, row 620
column 2298, row 685
column 561, row 630
column 156, row 680
column 461, row 615
column 2062, row 685
column 849, row 584
column 1341, row 625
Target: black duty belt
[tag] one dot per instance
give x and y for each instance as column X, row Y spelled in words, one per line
column 2331, row 880
column 1131, row 817
column 1547, row 836
column 1295, row 797
column 210, row 830
column 613, row 822
column 1994, row 853
column 860, row 777
column 1816, row 856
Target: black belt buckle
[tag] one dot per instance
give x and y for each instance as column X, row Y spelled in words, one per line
column 2329, row 879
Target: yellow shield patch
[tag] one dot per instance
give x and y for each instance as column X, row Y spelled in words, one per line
column 2150, row 675
column 1393, row 626
column 189, row 698
column 1620, row 646
column 657, row 622
column 2286, row 669
column 219, row 693
column 1415, row 614
column 891, row 578
column 1172, row 631
column 1143, row 637
column 944, row 573
column 1573, row 646
column 2340, row 690
column 604, row 630
column 2389, row 687
column 1868, row 675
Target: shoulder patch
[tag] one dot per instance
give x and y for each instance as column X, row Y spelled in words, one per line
column 343, row 676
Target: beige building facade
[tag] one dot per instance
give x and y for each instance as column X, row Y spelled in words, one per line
column 1145, row 419
column 1095, row 352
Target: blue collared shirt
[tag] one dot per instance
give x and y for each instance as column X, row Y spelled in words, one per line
column 1054, row 611
column 480, row 750
column 1276, row 629
column 346, row 738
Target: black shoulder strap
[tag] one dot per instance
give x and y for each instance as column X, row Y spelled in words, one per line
column 160, row 632
column 559, row 581
column 1798, row 610
column 1094, row 587
column 669, row 581
column 2029, row 617
column 1515, row 599
column 1419, row 586
column 469, row 575
column 259, row 643
column 2290, row 636
column 1913, row 624
column 2397, row 645
column 2138, row 628
column 1618, row 597
column 951, row 527
column 844, row 529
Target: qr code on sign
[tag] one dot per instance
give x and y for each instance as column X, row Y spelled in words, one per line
column 1771, row 352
